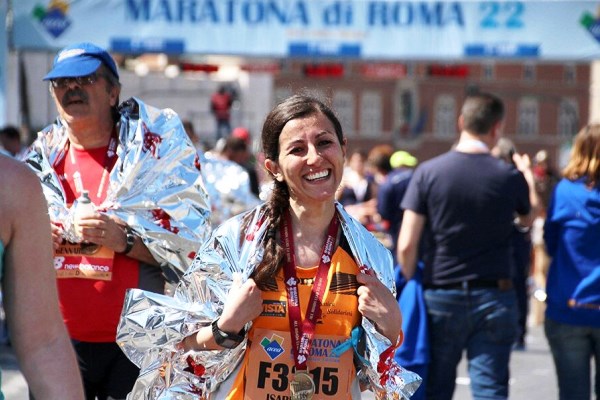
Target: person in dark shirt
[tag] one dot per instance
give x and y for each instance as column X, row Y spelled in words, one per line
column 521, row 251
column 391, row 192
column 467, row 199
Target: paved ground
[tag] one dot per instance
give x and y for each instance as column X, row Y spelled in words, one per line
column 13, row 384
column 532, row 373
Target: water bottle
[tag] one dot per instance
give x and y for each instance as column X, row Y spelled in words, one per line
column 84, row 206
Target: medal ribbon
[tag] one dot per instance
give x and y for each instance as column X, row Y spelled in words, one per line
column 303, row 331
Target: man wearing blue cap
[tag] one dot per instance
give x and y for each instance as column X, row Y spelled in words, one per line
column 84, row 83
column 93, row 148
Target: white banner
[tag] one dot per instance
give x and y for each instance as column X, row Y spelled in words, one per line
column 3, row 62
column 360, row 29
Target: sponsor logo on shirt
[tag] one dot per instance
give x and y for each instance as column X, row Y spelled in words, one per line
column 273, row 347
column 273, row 308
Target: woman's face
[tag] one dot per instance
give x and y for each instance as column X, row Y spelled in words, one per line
column 311, row 159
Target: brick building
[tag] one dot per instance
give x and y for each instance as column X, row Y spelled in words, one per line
column 415, row 106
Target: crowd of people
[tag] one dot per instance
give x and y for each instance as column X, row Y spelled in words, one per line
column 305, row 270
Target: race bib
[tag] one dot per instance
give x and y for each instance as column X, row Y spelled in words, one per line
column 83, row 261
column 272, row 367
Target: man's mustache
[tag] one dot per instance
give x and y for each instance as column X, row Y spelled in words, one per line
column 74, row 93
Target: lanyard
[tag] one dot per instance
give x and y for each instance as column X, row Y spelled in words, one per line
column 111, row 153
column 303, row 331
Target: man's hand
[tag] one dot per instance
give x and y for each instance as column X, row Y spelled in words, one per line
column 57, row 235
column 102, row 229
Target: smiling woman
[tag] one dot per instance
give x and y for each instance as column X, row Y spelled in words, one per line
column 305, row 280
column 311, row 160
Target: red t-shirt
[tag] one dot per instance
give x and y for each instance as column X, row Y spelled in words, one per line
column 221, row 105
column 92, row 280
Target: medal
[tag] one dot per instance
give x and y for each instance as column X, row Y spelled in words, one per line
column 302, row 386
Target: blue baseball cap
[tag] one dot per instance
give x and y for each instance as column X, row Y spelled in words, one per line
column 80, row 59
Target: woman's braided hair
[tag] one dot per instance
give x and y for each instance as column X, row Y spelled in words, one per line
column 294, row 107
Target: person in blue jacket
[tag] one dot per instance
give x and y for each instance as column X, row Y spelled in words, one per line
column 572, row 234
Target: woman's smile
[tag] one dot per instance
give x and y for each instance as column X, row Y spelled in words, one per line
column 313, row 176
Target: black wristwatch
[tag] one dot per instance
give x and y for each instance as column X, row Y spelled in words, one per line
column 227, row 340
column 130, row 240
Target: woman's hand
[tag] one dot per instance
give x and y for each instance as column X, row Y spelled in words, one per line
column 376, row 302
column 244, row 304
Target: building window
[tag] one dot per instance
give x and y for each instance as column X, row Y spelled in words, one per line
column 488, row 71
column 529, row 72
column 472, row 89
column 445, row 116
column 410, row 70
column 527, row 117
column 405, row 110
column 568, row 117
column 406, row 107
column 343, row 104
column 570, row 73
column 370, row 114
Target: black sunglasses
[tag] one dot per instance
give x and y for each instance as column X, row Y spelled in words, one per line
column 79, row 80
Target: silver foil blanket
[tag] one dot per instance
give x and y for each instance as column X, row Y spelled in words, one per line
column 155, row 185
column 228, row 186
column 152, row 325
